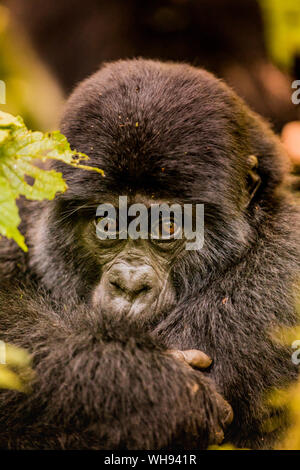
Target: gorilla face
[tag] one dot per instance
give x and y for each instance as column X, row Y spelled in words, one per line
column 135, row 273
column 161, row 133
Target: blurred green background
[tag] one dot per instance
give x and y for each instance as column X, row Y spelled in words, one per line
column 46, row 47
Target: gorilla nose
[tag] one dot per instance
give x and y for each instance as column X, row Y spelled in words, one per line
column 132, row 281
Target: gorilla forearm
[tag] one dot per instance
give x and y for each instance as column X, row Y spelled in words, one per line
column 112, row 389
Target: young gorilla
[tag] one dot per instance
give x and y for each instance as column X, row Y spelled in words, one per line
column 100, row 317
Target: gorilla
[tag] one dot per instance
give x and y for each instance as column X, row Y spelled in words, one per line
column 141, row 343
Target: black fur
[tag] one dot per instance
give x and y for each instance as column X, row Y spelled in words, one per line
column 166, row 131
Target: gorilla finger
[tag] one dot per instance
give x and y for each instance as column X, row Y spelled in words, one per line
column 227, row 412
column 196, row 358
column 218, row 436
column 192, row 357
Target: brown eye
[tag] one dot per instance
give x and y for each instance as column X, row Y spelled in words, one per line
column 105, row 227
column 109, row 225
column 169, row 228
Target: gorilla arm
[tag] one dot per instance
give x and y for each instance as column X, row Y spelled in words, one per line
column 104, row 387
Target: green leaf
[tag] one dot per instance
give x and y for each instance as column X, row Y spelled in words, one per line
column 19, row 147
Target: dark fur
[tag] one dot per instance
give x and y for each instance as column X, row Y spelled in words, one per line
column 101, row 384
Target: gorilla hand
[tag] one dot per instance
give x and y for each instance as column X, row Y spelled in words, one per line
column 199, row 360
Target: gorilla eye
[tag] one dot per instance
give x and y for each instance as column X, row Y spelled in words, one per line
column 110, row 223
column 167, row 229
column 106, row 228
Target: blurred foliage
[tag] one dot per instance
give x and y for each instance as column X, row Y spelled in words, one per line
column 282, row 26
column 290, row 399
column 31, row 90
column 19, row 147
column 15, row 368
column 224, row 447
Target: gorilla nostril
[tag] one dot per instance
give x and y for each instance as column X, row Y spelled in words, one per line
column 143, row 290
column 116, row 285
column 133, row 290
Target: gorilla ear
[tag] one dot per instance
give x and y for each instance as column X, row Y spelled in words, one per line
column 253, row 178
column 267, row 172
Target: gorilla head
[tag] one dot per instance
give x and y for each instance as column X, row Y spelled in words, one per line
column 162, row 133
